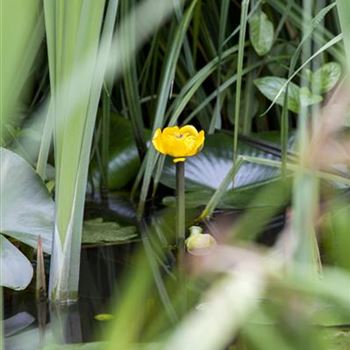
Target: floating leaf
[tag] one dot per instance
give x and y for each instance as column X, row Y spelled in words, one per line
column 17, row 323
column 241, row 198
column 208, row 168
column 261, row 33
column 16, row 270
column 270, row 86
column 26, row 205
column 124, row 160
column 97, row 231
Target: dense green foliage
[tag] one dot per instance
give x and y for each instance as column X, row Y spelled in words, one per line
column 84, row 86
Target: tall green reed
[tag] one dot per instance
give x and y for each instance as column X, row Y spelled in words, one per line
column 22, row 30
column 75, row 34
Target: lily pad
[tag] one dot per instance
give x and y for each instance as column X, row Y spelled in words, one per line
column 16, row 269
column 17, row 323
column 97, row 231
column 210, row 166
column 241, row 198
column 27, row 209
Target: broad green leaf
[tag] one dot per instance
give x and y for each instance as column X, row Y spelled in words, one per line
column 241, row 198
column 16, row 269
column 124, row 161
column 26, row 206
column 270, row 86
column 261, row 33
column 337, row 239
column 326, row 77
column 209, row 167
column 329, row 315
column 97, row 231
column 307, row 97
column 117, row 206
column 337, row 338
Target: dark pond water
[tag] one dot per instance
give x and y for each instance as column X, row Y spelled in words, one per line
column 101, row 273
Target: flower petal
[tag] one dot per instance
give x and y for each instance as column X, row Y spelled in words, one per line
column 157, row 141
column 171, row 130
column 175, row 147
column 200, row 140
column 189, row 130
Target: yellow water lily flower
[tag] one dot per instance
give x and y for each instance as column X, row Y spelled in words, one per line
column 199, row 243
column 178, row 143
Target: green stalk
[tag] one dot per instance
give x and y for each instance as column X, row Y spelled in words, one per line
column 241, row 44
column 249, row 96
column 305, row 185
column 131, row 82
column 105, row 135
column 343, row 7
column 223, row 21
column 216, row 197
column 180, row 227
column 180, row 209
column 45, row 144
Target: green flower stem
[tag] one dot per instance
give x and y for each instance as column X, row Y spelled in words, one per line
column 180, row 229
column 180, row 209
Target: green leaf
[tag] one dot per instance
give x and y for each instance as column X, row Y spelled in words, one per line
column 307, row 97
column 16, row 269
column 209, row 167
column 124, row 161
column 261, row 33
column 97, row 231
column 326, row 77
column 26, row 206
column 22, row 29
column 270, row 86
column 241, row 198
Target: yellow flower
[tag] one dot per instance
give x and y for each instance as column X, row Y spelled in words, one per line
column 199, row 243
column 178, row 143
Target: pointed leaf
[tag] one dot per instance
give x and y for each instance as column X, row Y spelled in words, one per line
column 271, row 87
column 261, row 33
column 326, row 77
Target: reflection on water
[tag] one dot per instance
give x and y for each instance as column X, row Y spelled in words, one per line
column 28, row 325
